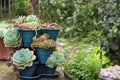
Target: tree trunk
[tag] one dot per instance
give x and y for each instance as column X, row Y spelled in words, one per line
column 35, row 7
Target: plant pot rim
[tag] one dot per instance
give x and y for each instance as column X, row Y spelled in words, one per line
column 27, row 29
column 56, row 74
column 43, row 47
column 29, row 77
column 49, row 28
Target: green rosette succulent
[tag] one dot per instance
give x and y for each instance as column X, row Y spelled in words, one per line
column 55, row 59
column 4, row 28
column 12, row 38
column 23, row 58
column 31, row 18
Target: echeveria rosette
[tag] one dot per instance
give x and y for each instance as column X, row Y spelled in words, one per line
column 31, row 18
column 23, row 58
column 55, row 59
column 12, row 38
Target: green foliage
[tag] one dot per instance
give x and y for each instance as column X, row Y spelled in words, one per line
column 86, row 66
column 77, row 17
column 92, row 36
column 20, row 7
column 12, row 38
column 56, row 59
column 23, row 58
column 111, row 30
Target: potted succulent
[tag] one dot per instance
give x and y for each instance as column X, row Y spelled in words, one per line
column 43, row 47
column 28, row 27
column 4, row 51
column 50, row 28
column 23, row 61
column 55, row 60
column 12, row 38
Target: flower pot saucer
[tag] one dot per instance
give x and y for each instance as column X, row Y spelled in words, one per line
column 55, row 75
column 29, row 78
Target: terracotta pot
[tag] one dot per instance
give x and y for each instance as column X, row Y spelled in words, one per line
column 5, row 52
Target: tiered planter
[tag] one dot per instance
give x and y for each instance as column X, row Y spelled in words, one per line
column 53, row 33
column 43, row 54
column 29, row 71
column 38, row 69
column 5, row 52
column 27, row 36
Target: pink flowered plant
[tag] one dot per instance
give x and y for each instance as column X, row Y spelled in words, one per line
column 58, row 44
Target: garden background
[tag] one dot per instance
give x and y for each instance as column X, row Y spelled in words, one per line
column 91, row 26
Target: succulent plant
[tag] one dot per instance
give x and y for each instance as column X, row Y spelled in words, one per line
column 29, row 22
column 19, row 20
column 4, row 28
column 31, row 18
column 51, row 25
column 6, row 25
column 55, row 59
column 43, row 41
column 23, row 58
column 12, row 38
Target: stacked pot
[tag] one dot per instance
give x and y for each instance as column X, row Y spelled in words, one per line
column 38, row 69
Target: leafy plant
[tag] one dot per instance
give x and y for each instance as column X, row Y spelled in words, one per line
column 78, row 17
column 92, row 37
column 43, row 41
column 84, row 67
column 23, row 58
column 56, row 59
column 12, row 38
column 111, row 31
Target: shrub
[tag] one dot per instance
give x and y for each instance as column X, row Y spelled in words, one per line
column 84, row 66
column 111, row 30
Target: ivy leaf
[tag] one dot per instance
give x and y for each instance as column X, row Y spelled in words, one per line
column 114, row 29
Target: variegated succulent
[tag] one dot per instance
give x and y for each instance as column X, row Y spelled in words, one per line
column 23, row 58
column 12, row 38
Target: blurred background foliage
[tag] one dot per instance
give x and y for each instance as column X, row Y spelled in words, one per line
column 80, row 20
column 77, row 17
